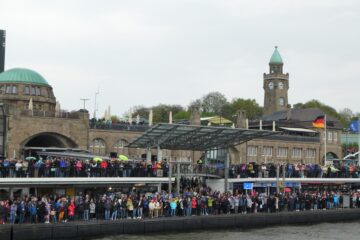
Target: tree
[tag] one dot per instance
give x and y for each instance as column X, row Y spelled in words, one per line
column 115, row 119
column 298, row 106
column 326, row 109
column 346, row 114
column 252, row 108
column 160, row 112
column 213, row 102
column 141, row 110
column 181, row 115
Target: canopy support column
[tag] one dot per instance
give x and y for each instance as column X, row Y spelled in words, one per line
column 159, row 154
column 148, row 155
column 178, row 178
column 226, row 169
column 170, row 173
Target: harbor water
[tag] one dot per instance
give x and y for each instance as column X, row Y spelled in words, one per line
column 325, row 231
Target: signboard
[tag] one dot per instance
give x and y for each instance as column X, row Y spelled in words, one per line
column 273, row 184
column 346, row 201
column 248, row 186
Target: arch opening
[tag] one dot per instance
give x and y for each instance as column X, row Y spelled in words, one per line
column 49, row 140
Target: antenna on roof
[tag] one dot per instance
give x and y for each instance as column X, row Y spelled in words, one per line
column 84, row 99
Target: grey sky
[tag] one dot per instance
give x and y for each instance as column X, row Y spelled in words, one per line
column 149, row 52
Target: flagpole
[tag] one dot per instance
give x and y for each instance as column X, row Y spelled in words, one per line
column 325, row 140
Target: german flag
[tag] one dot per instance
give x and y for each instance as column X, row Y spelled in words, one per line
column 319, row 122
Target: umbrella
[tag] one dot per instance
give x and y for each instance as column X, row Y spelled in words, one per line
column 123, row 157
column 97, row 159
column 333, row 169
column 287, row 190
column 30, row 158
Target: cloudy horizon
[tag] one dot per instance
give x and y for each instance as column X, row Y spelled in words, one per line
column 173, row 52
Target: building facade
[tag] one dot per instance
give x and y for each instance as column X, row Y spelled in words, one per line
column 30, row 118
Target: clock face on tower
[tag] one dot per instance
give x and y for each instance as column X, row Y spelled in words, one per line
column 271, row 85
column 281, row 85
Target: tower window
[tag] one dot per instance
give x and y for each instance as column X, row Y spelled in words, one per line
column 281, row 101
column 14, row 90
column 37, row 90
column 2, row 89
column 27, row 90
column 33, row 91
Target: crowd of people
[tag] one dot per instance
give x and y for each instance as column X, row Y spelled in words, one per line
column 192, row 202
column 298, row 170
column 73, row 167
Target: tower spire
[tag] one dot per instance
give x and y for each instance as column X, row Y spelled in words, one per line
column 275, row 57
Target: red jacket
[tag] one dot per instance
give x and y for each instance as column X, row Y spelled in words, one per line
column 103, row 164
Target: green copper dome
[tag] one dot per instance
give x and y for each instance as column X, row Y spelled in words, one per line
column 276, row 58
column 22, row 75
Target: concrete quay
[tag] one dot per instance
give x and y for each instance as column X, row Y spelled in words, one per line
column 93, row 229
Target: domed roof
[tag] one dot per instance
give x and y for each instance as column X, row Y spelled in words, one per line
column 22, row 75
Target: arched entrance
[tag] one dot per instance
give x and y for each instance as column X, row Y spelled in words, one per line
column 49, row 139
column 330, row 156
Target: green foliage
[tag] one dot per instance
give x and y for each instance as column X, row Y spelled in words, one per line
column 213, row 103
column 344, row 116
column 181, row 115
column 115, row 119
column 160, row 112
column 349, row 147
column 252, row 108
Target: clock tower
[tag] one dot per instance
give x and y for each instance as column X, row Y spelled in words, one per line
column 276, row 85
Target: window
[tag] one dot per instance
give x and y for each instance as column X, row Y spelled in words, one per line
column 267, row 151
column 37, row 91
column 33, row 91
column 310, row 153
column 119, row 145
column 97, row 146
column 27, row 90
column 329, row 136
column 296, row 152
column 282, row 152
column 14, row 90
column 2, row 89
column 281, row 101
column 335, row 135
column 8, row 89
column 252, row 150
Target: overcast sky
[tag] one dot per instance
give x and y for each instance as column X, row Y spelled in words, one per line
column 150, row 52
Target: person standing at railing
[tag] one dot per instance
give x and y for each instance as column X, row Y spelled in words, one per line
column 18, row 169
column 5, row 165
column 103, row 166
column 78, row 168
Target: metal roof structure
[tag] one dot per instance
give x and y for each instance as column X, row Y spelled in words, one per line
column 196, row 138
column 82, row 181
column 71, row 155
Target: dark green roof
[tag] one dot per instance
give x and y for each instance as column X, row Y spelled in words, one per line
column 22, row 75
column 275, row 57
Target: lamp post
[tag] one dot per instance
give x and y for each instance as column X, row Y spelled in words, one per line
column 95, row 107
column 84, row 100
